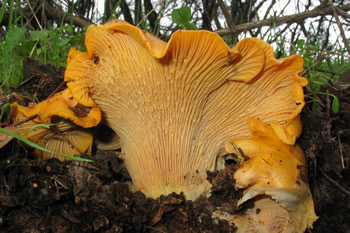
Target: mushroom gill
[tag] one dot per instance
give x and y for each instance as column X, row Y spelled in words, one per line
column 175, row 104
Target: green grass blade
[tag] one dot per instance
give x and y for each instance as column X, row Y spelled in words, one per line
column 3, row 10
column 5, row 108
column 42, row 148
column 11, row 14
column 335, row 104
column 114, row 9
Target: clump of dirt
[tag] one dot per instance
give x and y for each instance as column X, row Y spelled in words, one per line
column 52, row 196
column 39, row 80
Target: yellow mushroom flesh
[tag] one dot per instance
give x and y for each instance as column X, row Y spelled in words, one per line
column 175, row 104
column 53, row 128
column 274, row 174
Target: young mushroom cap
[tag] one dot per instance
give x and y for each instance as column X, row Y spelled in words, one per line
column 61, row 137
column 63, row 105
column 175, row 104
column 52, row 127
column 275, row 174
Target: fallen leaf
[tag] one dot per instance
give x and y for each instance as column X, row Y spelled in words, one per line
column 5, row 138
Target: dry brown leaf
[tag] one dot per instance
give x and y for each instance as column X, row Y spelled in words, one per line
column 5, row 138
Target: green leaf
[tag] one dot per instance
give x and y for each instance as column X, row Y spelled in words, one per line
column 42, row 148
column 181, row 16
column 300, row 43
column 191, row 26
column 14, row 36
column 315, row 106
column 5, row 108
column 27, row 47
column 335, row 104
column 39, row 35
column 69, row 29
column 63, row 42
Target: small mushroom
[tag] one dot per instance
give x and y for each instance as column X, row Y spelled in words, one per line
column 53, row 126
column 274, row 174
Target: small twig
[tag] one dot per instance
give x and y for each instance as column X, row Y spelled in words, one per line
column 317, row 11
column 345, row 41
column 343, row 13
column 329, row 107
column 341, row 151
column 155, row 229
column 319, row 59
column 239, row 150
column 56, row 90
column 335, row 183
column 228, row 19
column 36, row 19
column 316, row 96
column 24, row 121
column 146, row 16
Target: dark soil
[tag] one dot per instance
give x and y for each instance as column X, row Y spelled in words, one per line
column 326, row 143
column 54, row 196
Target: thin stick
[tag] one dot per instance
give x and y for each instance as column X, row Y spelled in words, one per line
column 56, row 90
column 24, row 121
column 318, row 11
column 36, row 19
column 228, row 19
column 335, row 183
column 341, row 151
column 239, row 150
column 146, row 16
column 345, row 41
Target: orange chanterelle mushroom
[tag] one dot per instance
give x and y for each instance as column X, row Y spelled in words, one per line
column 180, row 107
column 57, row 131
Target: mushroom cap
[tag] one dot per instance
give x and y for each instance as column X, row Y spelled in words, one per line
column 62, row 137
column 175, row 104
column 275, row 174
column 63, row 105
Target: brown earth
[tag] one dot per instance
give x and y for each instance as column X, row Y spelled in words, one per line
column 52, row 196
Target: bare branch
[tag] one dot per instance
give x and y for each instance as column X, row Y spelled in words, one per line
column 342, row 34
column 207, row 14
column 226, row 14
column 277, row 21
column 228, row 20
column 58, row 14
column 151, row 13
column 344, row 14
